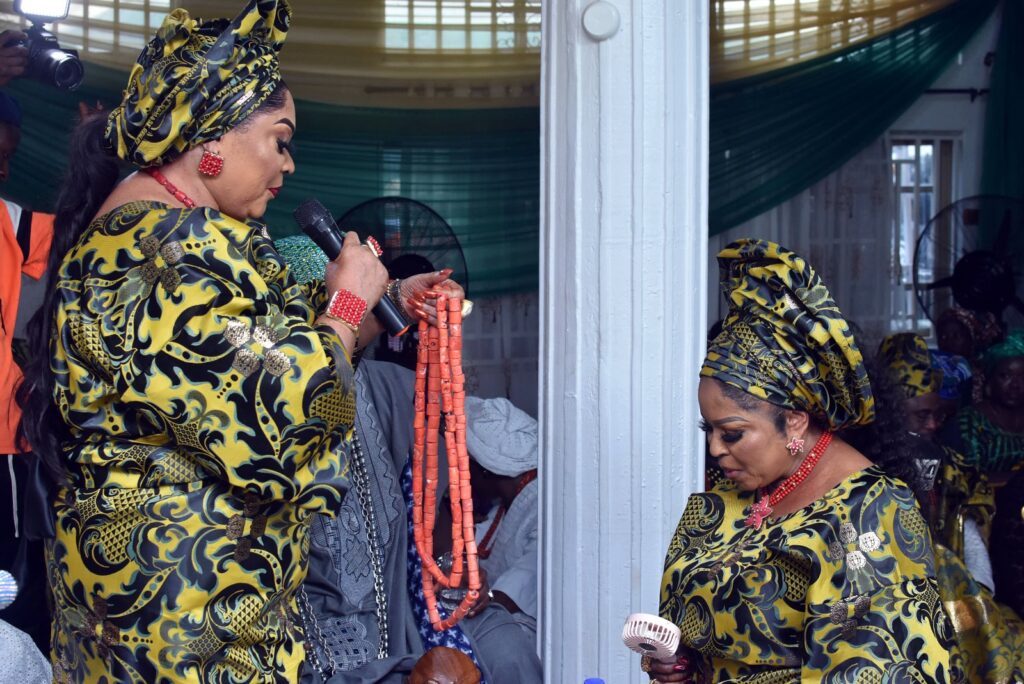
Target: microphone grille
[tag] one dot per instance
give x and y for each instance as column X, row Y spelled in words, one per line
column 311, row 211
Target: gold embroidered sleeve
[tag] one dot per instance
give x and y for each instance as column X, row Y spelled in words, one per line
column 239, row 377
column 874, row 610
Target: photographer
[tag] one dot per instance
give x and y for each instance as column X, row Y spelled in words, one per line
column 35, row 53
column 13, row 55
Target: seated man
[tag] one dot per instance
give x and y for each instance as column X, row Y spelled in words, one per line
column 357, row 587
column 502, row 445
column 20, row 660
column 364, row 574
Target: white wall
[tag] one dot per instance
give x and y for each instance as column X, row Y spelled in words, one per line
column 502, row 336
column 957, row 114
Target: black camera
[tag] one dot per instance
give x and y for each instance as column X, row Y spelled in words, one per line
column 49, row 62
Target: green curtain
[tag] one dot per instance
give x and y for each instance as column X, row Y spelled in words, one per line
column 774, row 135
column 1002, row 170
column 479, row 169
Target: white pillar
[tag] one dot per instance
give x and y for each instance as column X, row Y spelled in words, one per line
column 623, row 297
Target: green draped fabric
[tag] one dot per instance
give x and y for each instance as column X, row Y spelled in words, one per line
column 480, row 169
column 1003, row 163
column 774, row 135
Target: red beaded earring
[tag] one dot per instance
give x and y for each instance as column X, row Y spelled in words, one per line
column 211, row 164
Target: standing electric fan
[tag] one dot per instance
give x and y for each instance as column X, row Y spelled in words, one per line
column 411, row 233
column 971, row 253
column 415, row 239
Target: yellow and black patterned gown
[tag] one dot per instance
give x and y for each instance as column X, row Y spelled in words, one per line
column 840, row 591
column 205, row 411
column 989, row 635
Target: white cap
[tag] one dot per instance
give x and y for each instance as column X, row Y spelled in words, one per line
column 500, row 437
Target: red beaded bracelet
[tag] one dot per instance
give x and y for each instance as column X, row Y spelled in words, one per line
column 347, row 308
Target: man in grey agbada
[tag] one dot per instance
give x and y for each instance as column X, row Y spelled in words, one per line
column 362, row 601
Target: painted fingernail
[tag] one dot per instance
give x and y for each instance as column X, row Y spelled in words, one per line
column 680, row 668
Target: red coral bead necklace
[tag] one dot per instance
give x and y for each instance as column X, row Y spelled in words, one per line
column 170, row 187
column 766, row 503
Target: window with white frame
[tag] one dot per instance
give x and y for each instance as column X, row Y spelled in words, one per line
column 462, row 25
column 923, row 174
column 750, row 36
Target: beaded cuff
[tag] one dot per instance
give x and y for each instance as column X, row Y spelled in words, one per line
column 347, row 308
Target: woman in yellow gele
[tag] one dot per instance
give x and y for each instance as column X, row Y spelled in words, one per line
column 810, row 562
column 196, row 403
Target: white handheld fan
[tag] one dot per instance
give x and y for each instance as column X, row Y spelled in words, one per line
column 651, row 635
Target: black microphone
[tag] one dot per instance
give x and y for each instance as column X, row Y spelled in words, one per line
column 316, row 221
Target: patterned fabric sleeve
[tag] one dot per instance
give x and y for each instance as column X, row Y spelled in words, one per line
column 874, row 613
column 217, row 351
column 316, row 292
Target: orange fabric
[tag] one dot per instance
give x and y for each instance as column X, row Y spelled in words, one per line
column 12, row 265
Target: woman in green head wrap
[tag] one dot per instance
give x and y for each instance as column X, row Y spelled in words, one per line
column 195, row 404
column 810, row 562
column 991, row 433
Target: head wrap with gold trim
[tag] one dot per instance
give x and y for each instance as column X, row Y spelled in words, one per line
column 196, row 80
column 784, row 340
column 909, row 363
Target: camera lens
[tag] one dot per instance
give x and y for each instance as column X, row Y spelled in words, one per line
column 64, row 70
column 49, row 63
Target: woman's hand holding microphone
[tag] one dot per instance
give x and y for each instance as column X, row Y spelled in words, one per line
column 355, row 282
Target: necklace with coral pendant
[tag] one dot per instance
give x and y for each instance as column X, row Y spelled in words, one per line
column 765, row 504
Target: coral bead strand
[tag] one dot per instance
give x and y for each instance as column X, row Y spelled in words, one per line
column 440, row 390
